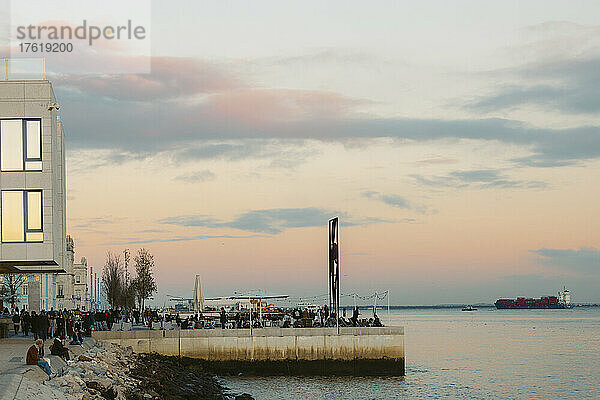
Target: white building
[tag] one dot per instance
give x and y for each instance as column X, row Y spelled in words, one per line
column 32, row 175
column 33, row 240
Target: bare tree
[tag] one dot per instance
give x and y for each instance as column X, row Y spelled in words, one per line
column 129, row 287
column 144, row 282
column 10, row 287
column 113, row 281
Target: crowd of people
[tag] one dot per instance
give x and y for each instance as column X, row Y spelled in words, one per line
column 275, row 317
column 50, row 324
column 77, row 324
column 64, row 326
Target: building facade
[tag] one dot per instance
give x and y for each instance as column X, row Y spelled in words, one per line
column 32, row 178
column 57, row 290
column 80, row 274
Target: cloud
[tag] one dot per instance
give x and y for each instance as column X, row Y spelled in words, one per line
column 392, row 200
column 438, row 159
column 197, row 176
column 95, row 221
column 179, row 239
column 270, row 221
column 564, row 85
column 396, row 201
column 188, row 102
column 153, row 127
column 479, row 179
column 584, row 259
column 170, row 77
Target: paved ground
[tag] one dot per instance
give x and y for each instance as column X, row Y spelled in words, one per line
column 13, row 351
column 19, row 381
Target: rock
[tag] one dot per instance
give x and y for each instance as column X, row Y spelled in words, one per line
column 99, row 383
column 83, row 357
column 244, row 396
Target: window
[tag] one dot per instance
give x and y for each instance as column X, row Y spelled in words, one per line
column 25, row 290
column 20, row 145
column 78, row 295
column 22, row 216
column 77, row 279
column 60, row 292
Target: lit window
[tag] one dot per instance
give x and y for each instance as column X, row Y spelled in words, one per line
column 22, row 216
column 11, row 140
column 20, row 145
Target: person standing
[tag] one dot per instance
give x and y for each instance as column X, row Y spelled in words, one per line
column 16, row 319
column 355, row 315
column 60, row 324
column 223, row 318
column 35, row 325
column 44, row 325
column 26, row 320
column 52, row 318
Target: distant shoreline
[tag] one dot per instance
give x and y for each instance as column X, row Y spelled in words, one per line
column 446, row 306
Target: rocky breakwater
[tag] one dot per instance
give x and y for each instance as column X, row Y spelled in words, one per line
column 109, row 371
column 101, row 372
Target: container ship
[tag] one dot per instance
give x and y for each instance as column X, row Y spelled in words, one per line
column 563, row 300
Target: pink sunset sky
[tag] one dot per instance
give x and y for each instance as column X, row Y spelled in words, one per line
column 459, row 142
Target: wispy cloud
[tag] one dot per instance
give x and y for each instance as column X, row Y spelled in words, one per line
column 179, row 238
column 563, row 76
column 170, row 77
column 196, row 177
column 84, row 223
column 479, row 179
column 396, row 201
column 584, row 259
column 271, row 221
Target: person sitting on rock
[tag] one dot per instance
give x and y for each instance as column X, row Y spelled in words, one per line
column 34, row 356
column 77, row 338
column 58, row 349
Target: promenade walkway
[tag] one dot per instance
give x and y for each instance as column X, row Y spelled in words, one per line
column 19, row 381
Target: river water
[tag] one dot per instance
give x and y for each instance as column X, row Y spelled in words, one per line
column 485, row 354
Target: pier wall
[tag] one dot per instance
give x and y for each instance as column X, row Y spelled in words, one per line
column 268, row 351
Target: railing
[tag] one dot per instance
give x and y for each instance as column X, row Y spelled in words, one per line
column 12, row 69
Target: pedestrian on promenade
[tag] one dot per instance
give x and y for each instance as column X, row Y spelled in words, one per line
column 16, row 322
column 26, row 320
column 354, row 318
column 223, row 318
column 35, row 356
column 35, row 325
column 44, row 325
column 52, row 318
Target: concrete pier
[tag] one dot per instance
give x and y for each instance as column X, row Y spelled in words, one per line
column 276, row 351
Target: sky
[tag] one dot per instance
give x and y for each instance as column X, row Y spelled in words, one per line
column 458, row 142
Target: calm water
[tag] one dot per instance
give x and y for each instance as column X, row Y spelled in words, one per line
column 486, row 354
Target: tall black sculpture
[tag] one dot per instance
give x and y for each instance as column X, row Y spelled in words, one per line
column 334, row 267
